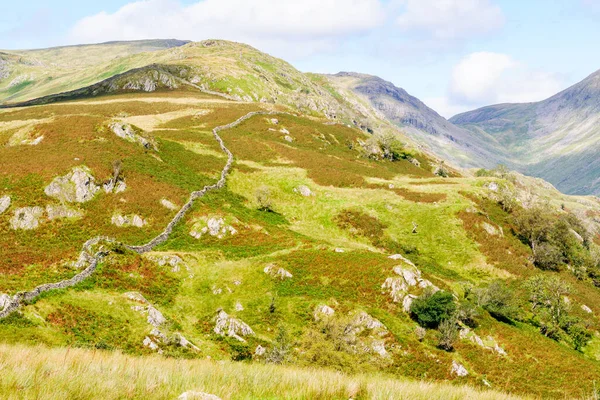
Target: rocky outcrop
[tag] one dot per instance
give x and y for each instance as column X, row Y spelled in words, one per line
column 407, row 281
column 214, row 226
column 458, row 369
column 304, row 191
column 78, row 186
column 127, row 132
column 58, row 211
column 126, row 221
column 225, row 325
column 488, row 344
column 4, row 203
column 277, row 272
column 27, row 218
column 323, row 312
column 172, row 260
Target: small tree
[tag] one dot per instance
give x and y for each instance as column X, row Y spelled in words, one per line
column 547, row 297
column 430, row 309
column 263, row 198
column 448, row 330
column 497, row 299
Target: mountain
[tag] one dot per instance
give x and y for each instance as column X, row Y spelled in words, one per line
column 207, row 212
column 424, row 125
column 557, row 139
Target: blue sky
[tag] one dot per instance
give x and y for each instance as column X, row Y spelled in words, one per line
column 455, row 55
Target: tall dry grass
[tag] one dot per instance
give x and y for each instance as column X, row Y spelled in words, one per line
column 43, row 373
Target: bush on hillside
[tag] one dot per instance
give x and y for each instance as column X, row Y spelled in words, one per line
column 448, row 331
column 497, row 299
column 431, row 309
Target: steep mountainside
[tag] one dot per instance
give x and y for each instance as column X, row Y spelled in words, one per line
column 212, row 203
column 423, row 124
column 557, row 139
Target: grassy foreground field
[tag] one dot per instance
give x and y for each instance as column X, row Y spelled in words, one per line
column 67, row 373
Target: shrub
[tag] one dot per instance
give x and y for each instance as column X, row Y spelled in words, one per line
column 547, row 257
column 279, row 353
column 547, row 297
column 579, row 335
column 263, row 198
column 448, row 330
column 431, row 309
column 467, row 313
column 497, row 299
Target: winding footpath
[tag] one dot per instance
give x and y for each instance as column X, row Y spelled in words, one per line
column 92, row 259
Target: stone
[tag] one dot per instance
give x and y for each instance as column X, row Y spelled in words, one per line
column 277, row 272
column 323, row 312
column 214, row 226
column 397, row 288
column 338, row 250
column 458, row 369
column 137, row 297
column 155, row 317
column 150, row 343
column 78, row 186
column 378, row 346
column 191, row 395
column 27, row 218
column 260, row 351
column 126, row 131
column 402, row 258
column 226, row 325
column 490, row 229
column 364, row 321
column 4, row 203
column 125, row 221
column 288, row 138
column 167, row 204
column 274, row 121
column 410, row 276
column 304, row 191
column 183, row 342
column 171, row 260
column 284, row 131
column 4, row 301
column 61, row 211
column 493, row 186
column 407, row 302
column 586, row 309
column 239, row 306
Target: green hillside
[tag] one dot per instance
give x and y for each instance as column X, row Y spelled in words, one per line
column 330, row 241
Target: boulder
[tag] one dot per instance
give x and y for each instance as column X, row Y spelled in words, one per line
column 4, row 301
column 490, row 229
column 126, row 131
column 304, row 191
column 150, row 343
column 225, row 325
column 458, row 369
column 260, row 351
column 4, row 203
column 26, row 218
column 397, row 288
column 214, row 226
column 167, row 204
column 155, row 317
column 125, row 221
column 586, row 309
column 78, row 186
column 171, row 260
column 288, row 138
column 402, row 258
column 58, row 211
column 239, row 306
column 277, row 272
column 323, row 312
column 407, row 302
column 192, row 395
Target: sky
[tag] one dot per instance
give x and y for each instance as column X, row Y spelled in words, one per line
column 455, row 55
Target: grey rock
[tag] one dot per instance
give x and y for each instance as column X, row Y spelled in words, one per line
column 458, row 369
column 27, row 218
column 78, row 186
column 4, row 203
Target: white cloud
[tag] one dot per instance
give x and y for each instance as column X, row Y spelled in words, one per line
column 488, row 78
column 270, row 24
column 450, row 19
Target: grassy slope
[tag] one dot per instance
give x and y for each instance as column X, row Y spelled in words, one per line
column 40, row 372
column 300, row 236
